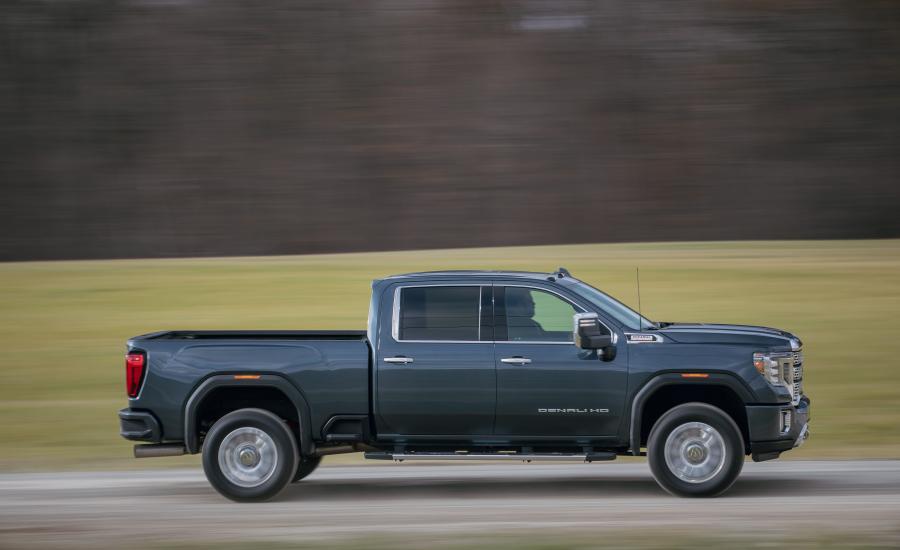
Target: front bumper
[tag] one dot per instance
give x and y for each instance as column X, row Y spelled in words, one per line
column 137, row 425
column 769, row 434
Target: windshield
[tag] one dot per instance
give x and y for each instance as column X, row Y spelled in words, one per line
column 614, row 308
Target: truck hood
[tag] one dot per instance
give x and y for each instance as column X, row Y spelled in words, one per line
column 703, row 333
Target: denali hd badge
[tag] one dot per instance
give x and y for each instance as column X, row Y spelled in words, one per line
column 643, row 338
column 573, row 411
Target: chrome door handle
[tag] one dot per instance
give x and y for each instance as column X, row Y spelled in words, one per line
column 399, row 360
column 516, row 360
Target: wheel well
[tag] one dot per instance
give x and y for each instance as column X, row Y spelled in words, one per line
column 667, row 397
column 221, row 401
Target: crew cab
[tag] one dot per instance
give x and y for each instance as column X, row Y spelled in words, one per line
column 471, row 365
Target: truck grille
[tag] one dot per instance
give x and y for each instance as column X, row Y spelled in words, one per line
column 792, row 373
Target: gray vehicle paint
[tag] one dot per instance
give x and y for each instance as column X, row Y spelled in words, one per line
column 462, row 393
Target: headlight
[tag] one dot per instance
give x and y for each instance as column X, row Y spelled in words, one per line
column 767, row 366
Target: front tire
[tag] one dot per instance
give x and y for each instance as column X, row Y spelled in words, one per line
column 250, row 455
column 695, row 450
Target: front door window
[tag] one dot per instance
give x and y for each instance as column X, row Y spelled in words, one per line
column 536, row 316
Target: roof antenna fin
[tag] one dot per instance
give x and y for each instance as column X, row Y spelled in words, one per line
column 562, row 272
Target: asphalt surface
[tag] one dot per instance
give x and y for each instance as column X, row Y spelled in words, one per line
column 437, row 500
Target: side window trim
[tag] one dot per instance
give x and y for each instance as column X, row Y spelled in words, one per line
column 395, row 312
column 565, row 299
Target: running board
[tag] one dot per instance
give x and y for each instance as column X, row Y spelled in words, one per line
column 400, row 457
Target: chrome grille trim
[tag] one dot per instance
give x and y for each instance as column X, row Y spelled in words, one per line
column 792, row 374
column 791, row 370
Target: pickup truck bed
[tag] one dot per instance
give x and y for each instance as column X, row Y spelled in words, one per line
column 329, row 368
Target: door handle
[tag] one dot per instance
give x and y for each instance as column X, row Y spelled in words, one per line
column 399, row 360
column 516, row 360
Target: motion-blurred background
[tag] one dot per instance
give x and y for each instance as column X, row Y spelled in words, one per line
column 743, row 154
column 159, row 128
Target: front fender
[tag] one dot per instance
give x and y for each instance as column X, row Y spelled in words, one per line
column 651, row 386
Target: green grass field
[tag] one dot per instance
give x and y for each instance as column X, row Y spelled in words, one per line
column 64, row 325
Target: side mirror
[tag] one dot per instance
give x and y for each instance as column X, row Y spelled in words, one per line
column 590, row 334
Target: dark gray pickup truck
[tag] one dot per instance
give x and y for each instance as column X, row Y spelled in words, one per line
column 471, row 365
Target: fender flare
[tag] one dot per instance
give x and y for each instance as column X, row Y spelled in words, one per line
column 727, row 380
column 192, row 438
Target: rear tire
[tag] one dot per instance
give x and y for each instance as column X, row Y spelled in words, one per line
column 250, row 455
column 306, row 467
column 695, row 450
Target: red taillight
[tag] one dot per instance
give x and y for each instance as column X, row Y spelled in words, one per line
column 134, row 373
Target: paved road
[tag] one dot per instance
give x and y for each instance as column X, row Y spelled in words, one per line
column 437, row 500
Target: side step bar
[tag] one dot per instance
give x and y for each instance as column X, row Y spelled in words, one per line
column 400, row 457
column 159, row 449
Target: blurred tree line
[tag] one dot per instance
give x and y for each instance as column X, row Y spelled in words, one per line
column 133, row 128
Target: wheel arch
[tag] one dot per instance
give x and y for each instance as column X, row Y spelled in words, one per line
column 214, row 385
column 665, row 391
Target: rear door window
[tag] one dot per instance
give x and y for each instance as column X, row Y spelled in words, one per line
column 440, row 313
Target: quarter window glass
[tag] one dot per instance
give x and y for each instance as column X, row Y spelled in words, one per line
column 439, row 313
column 537, row 316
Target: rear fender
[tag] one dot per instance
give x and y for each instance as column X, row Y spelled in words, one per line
column 191, row 435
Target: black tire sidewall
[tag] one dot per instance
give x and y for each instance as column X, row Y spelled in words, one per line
column 285, row 443
column 307, row 465
column 696, row 412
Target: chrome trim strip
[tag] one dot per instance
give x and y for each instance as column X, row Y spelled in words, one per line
column 480, row 297
column 471, row 456
column 569, row 343
column 442, row 342
column 395, row 315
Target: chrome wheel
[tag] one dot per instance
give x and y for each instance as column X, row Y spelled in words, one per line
column 248, row 457
column 695, row 452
